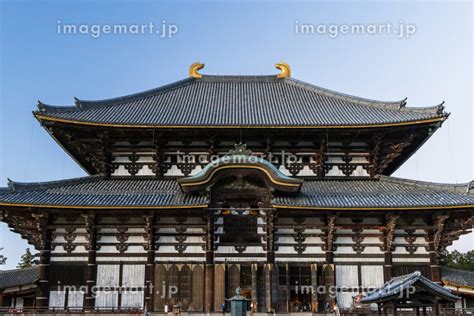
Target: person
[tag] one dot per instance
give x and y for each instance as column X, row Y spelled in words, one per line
column 336, row 310
column 327, row 308
column 223, row 308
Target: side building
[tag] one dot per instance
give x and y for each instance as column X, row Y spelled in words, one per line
column 214, row 182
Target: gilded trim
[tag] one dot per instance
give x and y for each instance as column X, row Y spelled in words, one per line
column 104, row 207
column 457, row 285
column 75, row 122
column 373, row 208
column 193, row 70
column 285, row 70
column 209, row 177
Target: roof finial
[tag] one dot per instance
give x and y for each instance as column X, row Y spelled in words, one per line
column 77, row 102
column 193, row 70
column 40, row 106
column 285, row 70
column 440, row 108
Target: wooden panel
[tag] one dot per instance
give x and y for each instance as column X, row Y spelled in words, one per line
column 57, row 299
column 233, row 279
column 75, row 299
column 344, row 299
column 173, row 282
column 198, row 288
column 185, row 287
column 108, row 275
column 219, row 287
column 347, row 276
column 106, row 300
column 67, row 274
column 372, row 276
column 399, row 270
column 283, row 299
column 132, row 299
column 160, row 287
column 133, row 275
column 283, row 292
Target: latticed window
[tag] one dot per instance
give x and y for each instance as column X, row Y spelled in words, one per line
column 240, row 229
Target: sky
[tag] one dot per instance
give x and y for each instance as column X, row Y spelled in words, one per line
column 428, row 60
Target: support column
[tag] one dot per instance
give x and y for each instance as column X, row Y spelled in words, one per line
column 91, row 272
column 328, row 268
column 42, row 296
column 268, row 272
column 150, row 263
column 314, row 286
column 254, row 292
column 209, row 268
column 270, row 240
column 434, row 241
column 388, row 233
column 269, row 269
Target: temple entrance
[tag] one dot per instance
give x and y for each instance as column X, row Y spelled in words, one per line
column 295, row 287
column 300, row 287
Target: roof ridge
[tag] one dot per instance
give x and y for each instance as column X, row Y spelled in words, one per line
column 461, row 188
column 25, row 186
column 399, row 105
column 238, row 78
column 460, row 270
column 347, row 97
column 87, row 104
column 20, row 269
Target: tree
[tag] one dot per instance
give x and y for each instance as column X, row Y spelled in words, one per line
column 458, row 260
column 3, row 259
column 27, row 260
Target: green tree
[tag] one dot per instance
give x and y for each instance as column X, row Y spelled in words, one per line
column 27, row 260
column 458, row 260
column 3, row 259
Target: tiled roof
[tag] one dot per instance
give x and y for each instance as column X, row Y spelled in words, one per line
column 385, row 192
column 401, row 284
column 17, row 277
column 278, row 180
column 245, row 101
column 458, row 277
column 100, row 192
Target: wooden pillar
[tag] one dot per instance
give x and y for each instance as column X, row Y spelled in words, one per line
column 269, row 269
column 254, row 292
column 434, row 263
column 268, row 273
column 42, row 296
column 150, row 263
column 269, row 218
column 435, row 267
column 209, row 268
column 328, row 268
column 329, row 282
column 387, row 267
column 91, row 272
column 209, row 288
column 388, row 233
column 314, row 286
